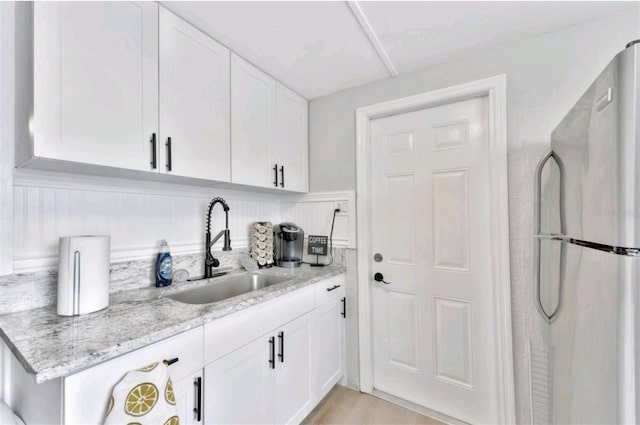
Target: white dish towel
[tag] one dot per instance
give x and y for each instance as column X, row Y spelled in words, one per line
column 143, row 396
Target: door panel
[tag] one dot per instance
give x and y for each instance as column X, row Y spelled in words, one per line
column 452, row 344
column 403, row 337
column 433, row 339
column 450, row 221
column 401, row 190
column 194, row 101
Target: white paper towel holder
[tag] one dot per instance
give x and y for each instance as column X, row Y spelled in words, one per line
column 83, row 274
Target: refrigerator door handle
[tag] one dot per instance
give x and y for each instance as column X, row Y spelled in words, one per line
column 536, row 270
column 537, row 202
column 538, row 236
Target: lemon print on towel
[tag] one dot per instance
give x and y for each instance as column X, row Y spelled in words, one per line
column 144, row 396
column 168, row 393
column 172, row 421
column 141, row 399
column 148, row 368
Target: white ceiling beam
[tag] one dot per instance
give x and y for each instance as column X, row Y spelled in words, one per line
column 358, row 13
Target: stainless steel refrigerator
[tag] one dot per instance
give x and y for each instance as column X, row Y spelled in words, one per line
column 587, row 250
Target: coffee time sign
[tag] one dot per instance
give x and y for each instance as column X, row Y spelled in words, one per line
column 317, row 245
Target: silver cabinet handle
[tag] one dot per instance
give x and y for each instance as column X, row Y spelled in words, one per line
column 538, row 236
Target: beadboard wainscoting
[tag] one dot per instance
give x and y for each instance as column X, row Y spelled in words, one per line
column 314, row 213
column 139, row 214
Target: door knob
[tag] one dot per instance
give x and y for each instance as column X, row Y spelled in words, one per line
column 378, row 277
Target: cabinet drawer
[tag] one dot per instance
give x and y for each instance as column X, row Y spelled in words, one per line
column 93, row 386
column 330, row 289
column 231, row 332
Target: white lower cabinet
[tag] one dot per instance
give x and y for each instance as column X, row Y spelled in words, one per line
column 239, row 386
column 266, row 381
column 292, row 390
column 269, row 364
column 328, row 346
column 188, row 393
column 82, row 398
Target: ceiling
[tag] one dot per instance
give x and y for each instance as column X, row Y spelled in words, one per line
column 321, row 47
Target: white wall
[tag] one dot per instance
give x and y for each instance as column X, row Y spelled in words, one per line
column 545, row 76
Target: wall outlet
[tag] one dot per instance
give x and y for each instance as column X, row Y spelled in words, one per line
column 343, row 206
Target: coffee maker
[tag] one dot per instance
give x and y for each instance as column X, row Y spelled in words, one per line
column 288, row 241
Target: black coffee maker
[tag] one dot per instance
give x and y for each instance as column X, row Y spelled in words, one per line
column 288, row 241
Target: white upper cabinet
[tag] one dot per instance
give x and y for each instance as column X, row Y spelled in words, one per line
column 194, row 102
column 291, row 148
column 95, row 78
column 129, row 85
column 253, row 104
column 269, row 131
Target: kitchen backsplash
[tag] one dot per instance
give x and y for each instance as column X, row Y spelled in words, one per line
column 137, row 215
column 25, row 291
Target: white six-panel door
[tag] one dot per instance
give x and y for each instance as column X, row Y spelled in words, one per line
column 433, row 327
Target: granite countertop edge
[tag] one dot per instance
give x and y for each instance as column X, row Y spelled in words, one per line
column 36, row 352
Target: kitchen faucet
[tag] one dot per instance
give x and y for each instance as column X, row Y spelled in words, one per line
column 210, row 262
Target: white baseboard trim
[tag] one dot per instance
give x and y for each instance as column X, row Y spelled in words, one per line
column 417, row 408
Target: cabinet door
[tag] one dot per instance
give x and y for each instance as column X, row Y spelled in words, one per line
column 253, row 101
column 86, row 393
column 328, row 347
column 239, row 387
column 194, row 102
column 293, row 373
column 187, row 391
column 291, row 145
column 95, row 82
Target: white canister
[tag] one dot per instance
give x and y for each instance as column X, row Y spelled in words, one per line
column 83, row 274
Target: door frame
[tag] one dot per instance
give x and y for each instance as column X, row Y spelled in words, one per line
column 495, row 89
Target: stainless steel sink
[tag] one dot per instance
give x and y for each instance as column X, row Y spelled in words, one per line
column 230, row 287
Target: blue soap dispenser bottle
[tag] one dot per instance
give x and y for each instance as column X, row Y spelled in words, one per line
column 164, row 266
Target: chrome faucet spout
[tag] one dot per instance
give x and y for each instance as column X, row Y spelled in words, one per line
column 210, row 262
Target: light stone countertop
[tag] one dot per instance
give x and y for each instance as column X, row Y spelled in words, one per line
column 51, row 346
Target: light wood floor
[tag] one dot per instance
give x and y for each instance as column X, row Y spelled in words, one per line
column 345, row 406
